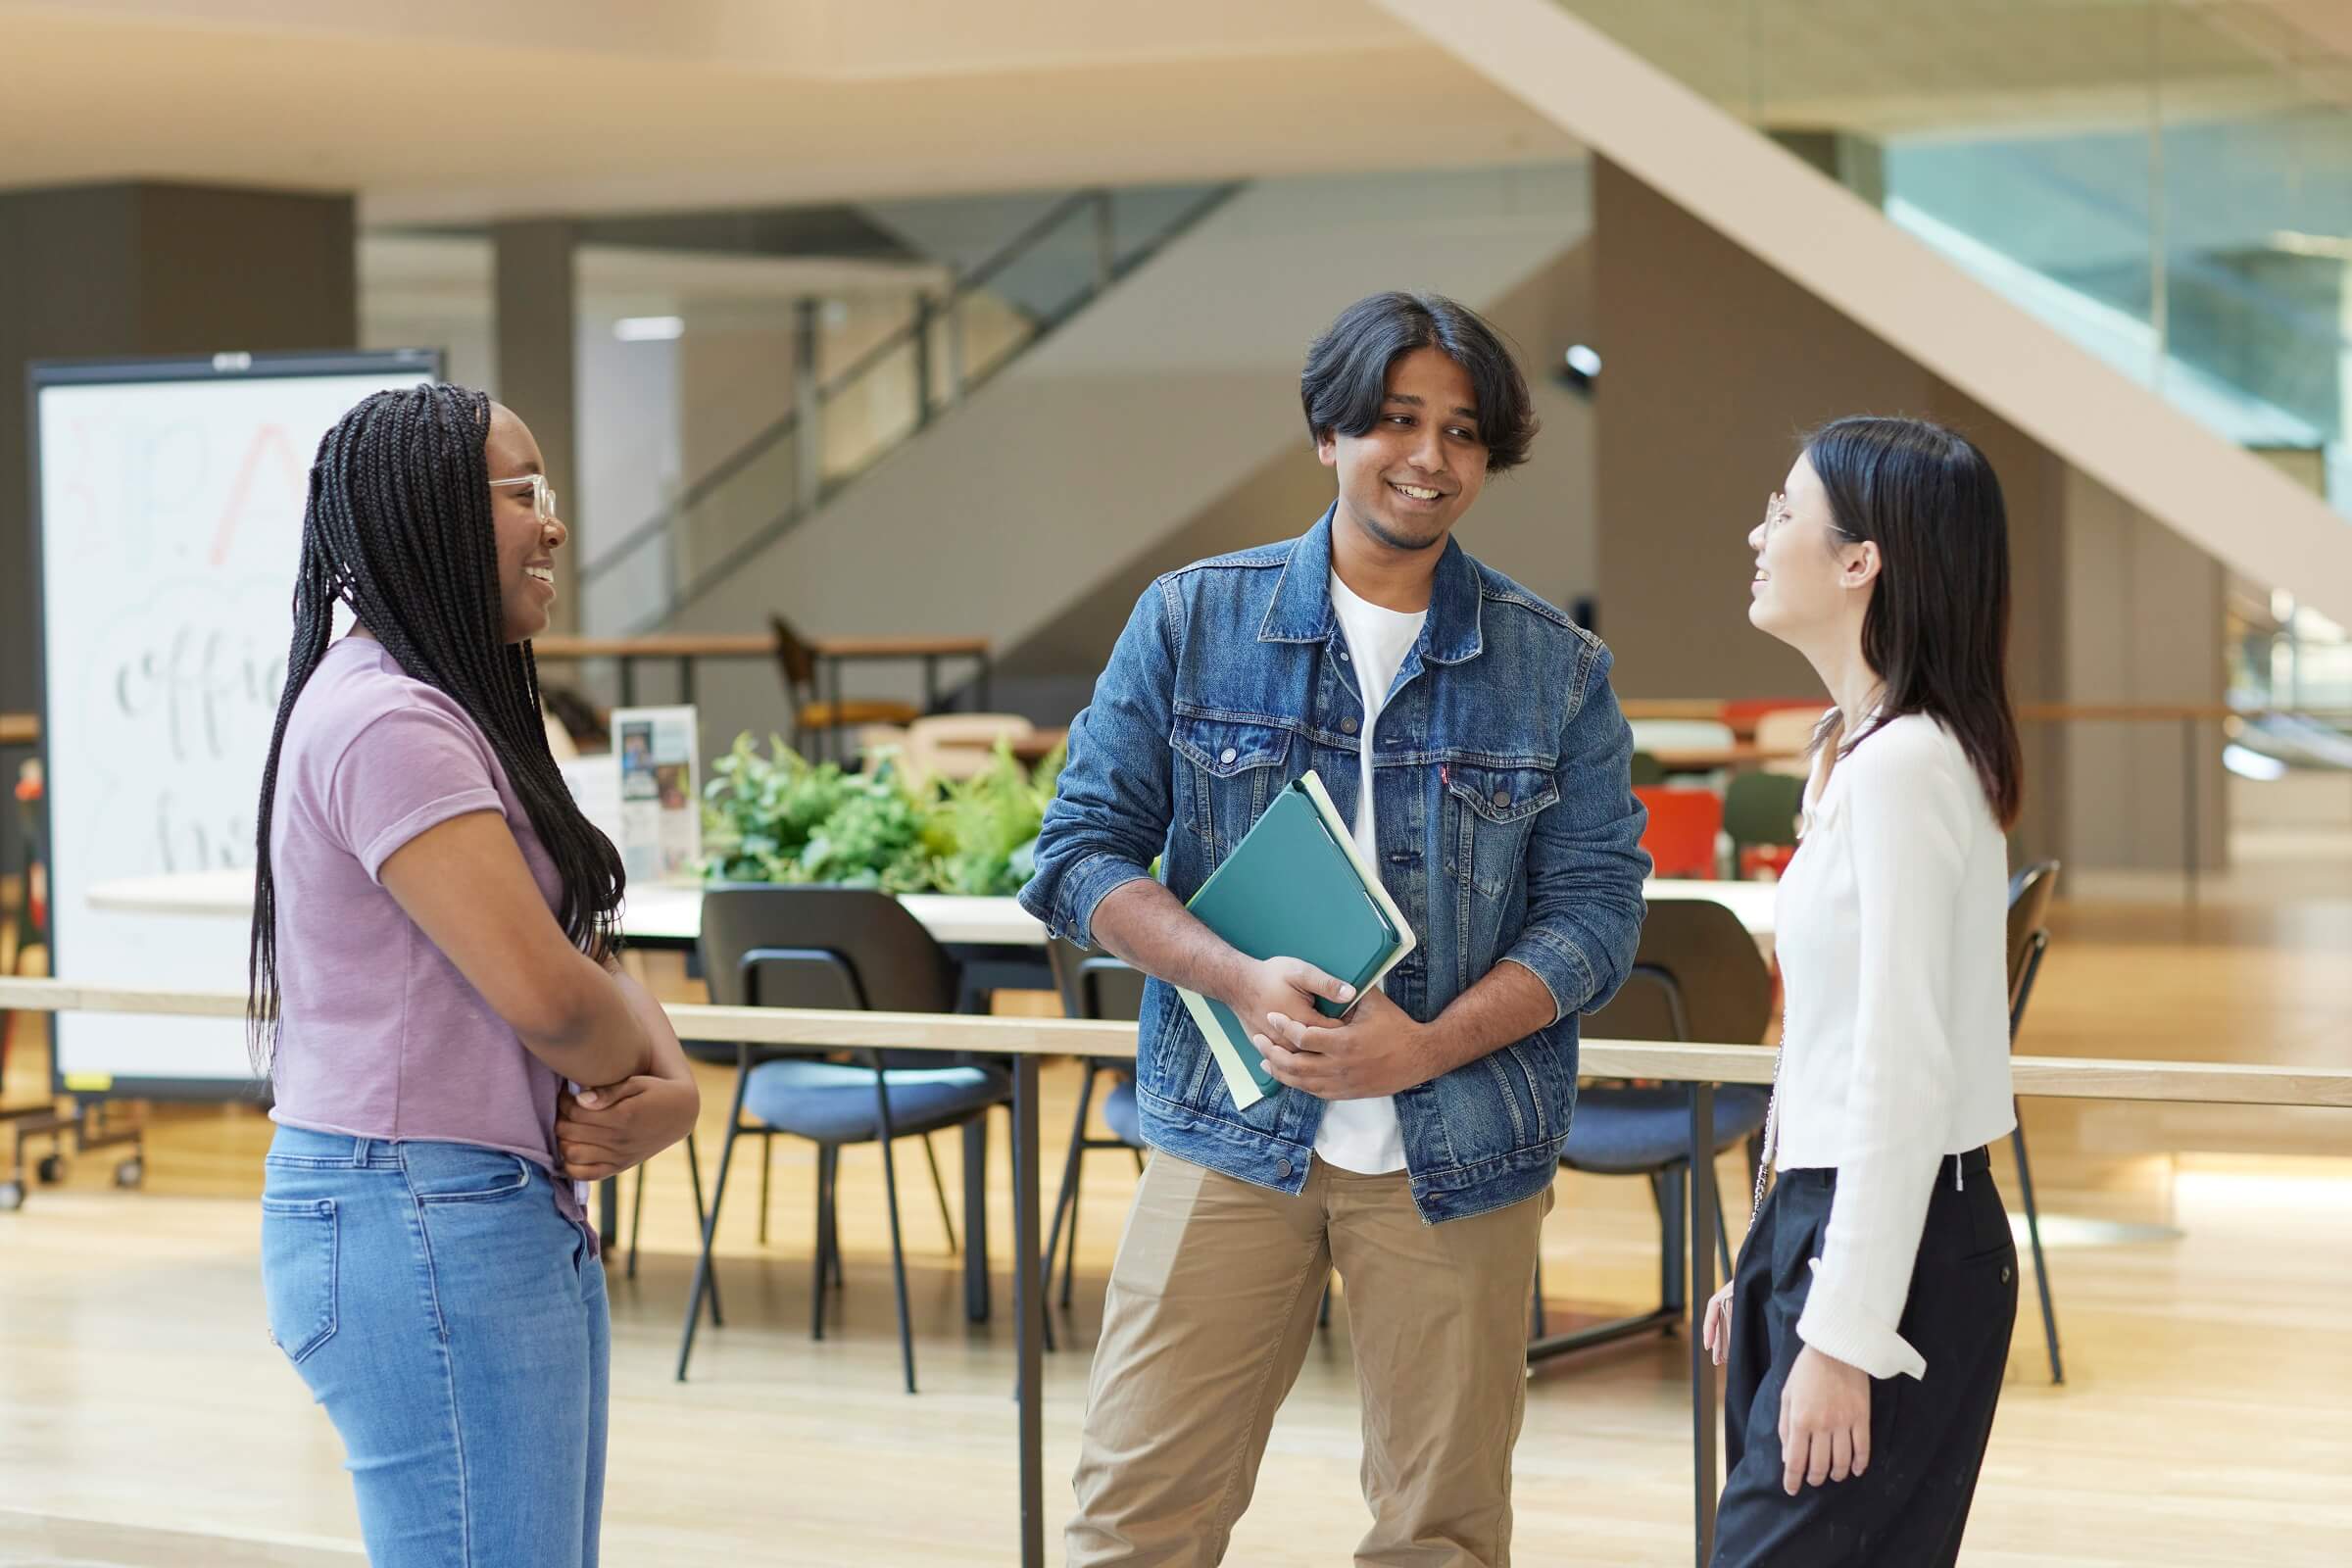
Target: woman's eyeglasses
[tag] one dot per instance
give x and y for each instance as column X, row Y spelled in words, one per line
column 1776, row 511
column 543, row 494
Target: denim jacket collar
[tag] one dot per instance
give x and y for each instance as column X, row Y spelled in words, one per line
column 1302, row 609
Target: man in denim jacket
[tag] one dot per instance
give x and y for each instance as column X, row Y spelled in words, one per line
column 1467, row 729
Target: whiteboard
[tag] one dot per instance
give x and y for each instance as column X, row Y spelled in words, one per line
column 168, row 520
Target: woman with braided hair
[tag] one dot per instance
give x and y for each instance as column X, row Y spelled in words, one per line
column 432, row 968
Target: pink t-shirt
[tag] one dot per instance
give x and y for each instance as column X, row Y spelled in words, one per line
column 379, row 1034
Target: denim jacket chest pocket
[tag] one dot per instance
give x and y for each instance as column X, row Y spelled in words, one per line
column 1494, row 811
column 1227, row 771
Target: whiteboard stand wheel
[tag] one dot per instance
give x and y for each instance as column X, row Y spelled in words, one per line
column 131, row 1172
column 51, row 1170
column 12, row 1197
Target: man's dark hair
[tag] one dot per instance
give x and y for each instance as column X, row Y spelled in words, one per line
column 1346, row 374
column 399, row 527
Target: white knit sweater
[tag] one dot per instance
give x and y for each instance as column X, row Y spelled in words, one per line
column 1891, row 935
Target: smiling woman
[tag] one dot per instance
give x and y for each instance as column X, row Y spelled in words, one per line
column 432, row 959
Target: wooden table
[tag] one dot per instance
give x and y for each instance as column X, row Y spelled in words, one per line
column 1038, row 744
column 20, row 729
column 996, row 942
column 832, row 653
column 670, row 915
column 685, row 647
column 1707, row 758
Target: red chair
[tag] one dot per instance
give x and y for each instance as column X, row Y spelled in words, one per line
column 1684, row 826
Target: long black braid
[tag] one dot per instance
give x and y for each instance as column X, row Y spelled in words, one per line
column 399, row 526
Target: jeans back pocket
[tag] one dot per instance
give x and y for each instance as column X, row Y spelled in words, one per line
column 299, row 1244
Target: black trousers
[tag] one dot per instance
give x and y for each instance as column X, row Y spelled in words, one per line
column 1927, row 1436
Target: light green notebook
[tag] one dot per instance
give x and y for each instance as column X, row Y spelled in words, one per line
column 1295, row 887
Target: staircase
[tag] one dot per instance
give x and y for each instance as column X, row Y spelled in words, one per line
column 1160, row 420
column 2035, row 199
column 1063, row 254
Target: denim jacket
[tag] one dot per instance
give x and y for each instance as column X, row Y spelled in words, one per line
column 1509, row 829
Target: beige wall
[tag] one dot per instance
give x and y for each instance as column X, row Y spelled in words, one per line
column 1714, row 365
column 2144, row 616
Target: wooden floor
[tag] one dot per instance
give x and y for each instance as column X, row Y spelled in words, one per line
column 2204, row 1263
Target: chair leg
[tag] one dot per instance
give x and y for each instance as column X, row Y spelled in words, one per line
column 694, row 1174
column 890, row 1188
column 702, row 1267
column 820, row 1266
column 636, row 1222
column 767, row 1171
column 2041, row 1273
column 898, row 1260
column 1672, row 1188
column 840, row 1276
column 1067, row 1201
column 939, row 1189
column 1723, row 1244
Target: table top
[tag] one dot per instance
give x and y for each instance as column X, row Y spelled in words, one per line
column 20, row 729
column 1707, row 759
column 660, row 645
column 898, row 647
column 755, row 645
column 673, row 912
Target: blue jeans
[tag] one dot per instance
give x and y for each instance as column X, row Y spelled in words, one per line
column 453, row 1323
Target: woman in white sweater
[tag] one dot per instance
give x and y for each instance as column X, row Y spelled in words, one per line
column 1867, row 1326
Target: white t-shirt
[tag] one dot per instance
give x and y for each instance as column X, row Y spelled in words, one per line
column 1362, row 1134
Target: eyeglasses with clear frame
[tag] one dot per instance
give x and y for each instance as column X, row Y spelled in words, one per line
column 1775, row 512
column 543, row 494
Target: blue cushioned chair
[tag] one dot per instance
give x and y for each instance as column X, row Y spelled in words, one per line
column 835, row 949
column 1696, row 976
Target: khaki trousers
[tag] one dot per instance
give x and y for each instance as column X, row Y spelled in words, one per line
column 1211, row 1309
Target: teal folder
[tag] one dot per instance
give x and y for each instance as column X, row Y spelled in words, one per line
column 1295, row 887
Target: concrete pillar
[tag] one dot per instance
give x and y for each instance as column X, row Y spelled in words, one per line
column 535, row 300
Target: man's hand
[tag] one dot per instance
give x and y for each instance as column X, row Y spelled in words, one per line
column 1377, row 1050
column 1825, row 1421
column 1286, row 986
column 602, row 1132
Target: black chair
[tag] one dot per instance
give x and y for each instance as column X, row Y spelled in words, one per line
column 833, row 948
column 1094, row 984
column 814, row 716
column 1696, row 976
column 2030, row 894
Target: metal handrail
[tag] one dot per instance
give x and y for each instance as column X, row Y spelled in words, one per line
column 913, row 334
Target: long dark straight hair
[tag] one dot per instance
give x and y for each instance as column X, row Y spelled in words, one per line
column 1937, row 631
column 399, row 526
